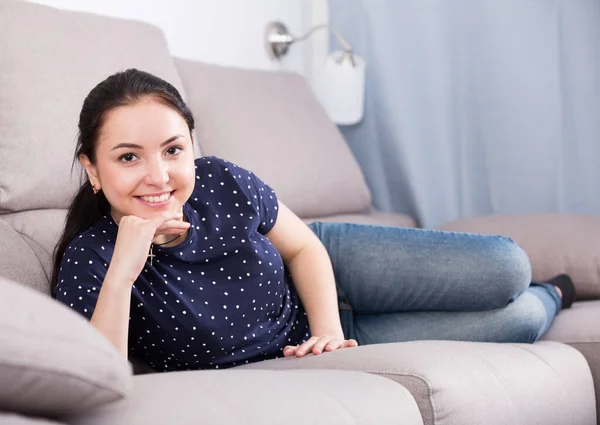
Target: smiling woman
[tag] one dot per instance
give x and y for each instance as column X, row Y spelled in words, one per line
column 153, row 171
column 236, row 277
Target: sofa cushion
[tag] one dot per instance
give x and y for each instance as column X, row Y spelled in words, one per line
column 457, row 382
column 272, row 124
column 18, row 261
column 12, row 419
column 40, row 230
column 52, row 361
column 371, row 217
column 555, row 243
column 578, row 327
column 51, row 59
column 259, row 397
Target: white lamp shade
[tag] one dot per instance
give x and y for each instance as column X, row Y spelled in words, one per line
column 341, row 88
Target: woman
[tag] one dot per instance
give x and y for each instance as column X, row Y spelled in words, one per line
column 190, row 264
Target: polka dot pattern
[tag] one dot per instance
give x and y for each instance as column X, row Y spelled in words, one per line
column 221, row 298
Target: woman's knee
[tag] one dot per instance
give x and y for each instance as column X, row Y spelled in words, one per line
column 514, row 268
column 524, row 320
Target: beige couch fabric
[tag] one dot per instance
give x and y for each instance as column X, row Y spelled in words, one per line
column 40, row 230
column 579, row 327
column 14, row 419
column 474, row 383
column 372, row 217
column 259, row 397
column 271, row 123
column 555, row 243
column 51, row 59
column 52, row 361
column 18, row 261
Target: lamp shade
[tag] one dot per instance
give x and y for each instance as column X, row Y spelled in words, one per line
column 340, row 88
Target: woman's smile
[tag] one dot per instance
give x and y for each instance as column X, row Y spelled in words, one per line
column 156, row 200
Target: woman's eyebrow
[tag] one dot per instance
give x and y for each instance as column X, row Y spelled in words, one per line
column 134, row 146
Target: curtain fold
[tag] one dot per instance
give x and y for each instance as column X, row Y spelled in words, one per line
column 477, row 106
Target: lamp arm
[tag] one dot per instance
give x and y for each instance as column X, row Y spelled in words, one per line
column 347, row 47
column 278, row 39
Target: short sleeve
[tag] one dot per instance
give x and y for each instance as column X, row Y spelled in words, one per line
column 267, row 204
column 261, row 195
column 80, row 277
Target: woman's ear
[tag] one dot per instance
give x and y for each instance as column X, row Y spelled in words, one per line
column 91, row 171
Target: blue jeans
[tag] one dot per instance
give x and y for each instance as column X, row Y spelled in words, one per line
column 401, row 284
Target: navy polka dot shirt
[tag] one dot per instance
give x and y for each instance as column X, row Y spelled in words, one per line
column 221, row 298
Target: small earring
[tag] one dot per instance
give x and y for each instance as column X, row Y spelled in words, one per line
column 94, row 189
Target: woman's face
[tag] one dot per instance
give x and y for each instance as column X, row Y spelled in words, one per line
column 144, row 160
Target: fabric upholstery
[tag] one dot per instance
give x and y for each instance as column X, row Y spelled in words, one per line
column 371, row 217
column 555, row 243
column 272, row 124
column 40, row 229
column 474, row 383
column 52, row 361
column 578, row 327
column 259, row 397
column 14, row 419
column 43, row 88
column 18, row 261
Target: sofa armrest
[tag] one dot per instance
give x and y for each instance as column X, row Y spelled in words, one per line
column 259, row 397
column 474, row 383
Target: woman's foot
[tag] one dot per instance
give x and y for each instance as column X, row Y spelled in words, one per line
column 565, row 288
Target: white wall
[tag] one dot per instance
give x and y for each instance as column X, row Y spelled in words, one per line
column 226, row 32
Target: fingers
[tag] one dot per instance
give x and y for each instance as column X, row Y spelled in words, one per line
column 169, row 224
column 306, row 346
column 163, row 218
column 317, row 345
column 349, row 343
column 323, row 342
column 290, row 350
column 172, row 227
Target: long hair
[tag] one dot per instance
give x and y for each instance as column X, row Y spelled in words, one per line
column 121, row 89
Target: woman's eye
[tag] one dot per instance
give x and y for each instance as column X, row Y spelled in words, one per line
column 174, row 150
column 127, row 157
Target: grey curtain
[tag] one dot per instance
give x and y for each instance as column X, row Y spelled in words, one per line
column 477, row 106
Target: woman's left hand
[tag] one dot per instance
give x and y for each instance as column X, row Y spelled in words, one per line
column 317, row 345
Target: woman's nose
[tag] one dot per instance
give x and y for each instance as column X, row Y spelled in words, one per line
column 158, row 174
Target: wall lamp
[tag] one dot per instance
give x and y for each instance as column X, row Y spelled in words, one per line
column 340, row 86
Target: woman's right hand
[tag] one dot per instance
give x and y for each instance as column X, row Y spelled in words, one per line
column 133, row 242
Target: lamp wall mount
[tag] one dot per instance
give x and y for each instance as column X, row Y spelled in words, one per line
column 278, row 40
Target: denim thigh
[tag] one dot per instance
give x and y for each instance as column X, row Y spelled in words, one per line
column 387, row 269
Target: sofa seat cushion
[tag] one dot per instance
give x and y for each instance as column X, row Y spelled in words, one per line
column 579, row 326
column 258, row 397
column 272, row 124
column 52, row 361
column 555, row 243
column 474, row 383
column 51, row 59
column 371, row 217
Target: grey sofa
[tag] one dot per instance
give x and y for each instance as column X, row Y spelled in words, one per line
column 55, row 368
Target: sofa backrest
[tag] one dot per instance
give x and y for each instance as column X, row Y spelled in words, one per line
column 50, row 60
column 271, row 123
